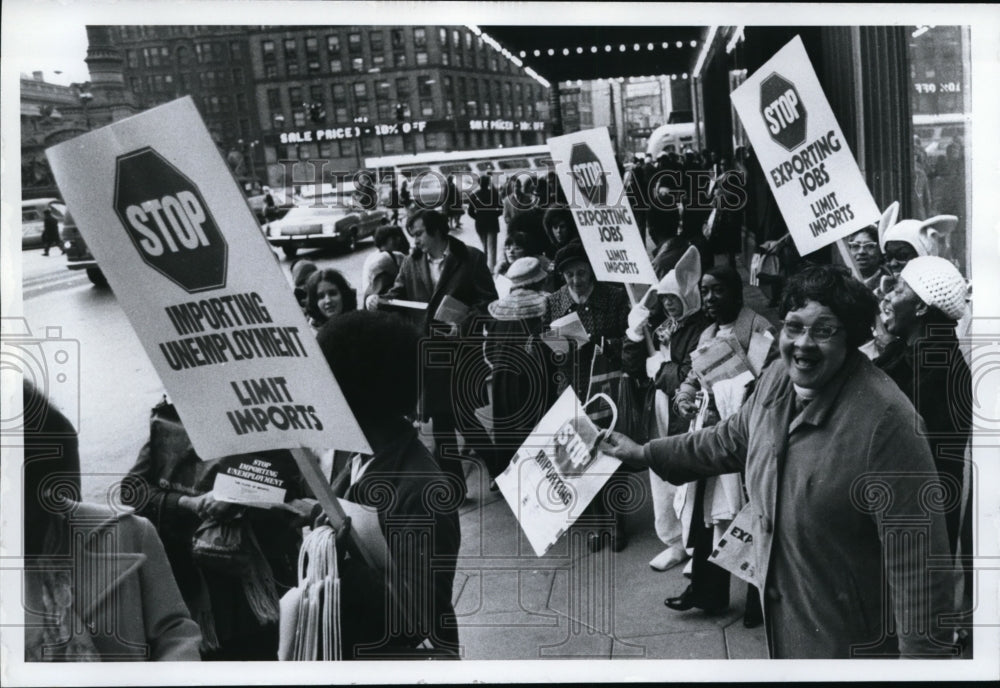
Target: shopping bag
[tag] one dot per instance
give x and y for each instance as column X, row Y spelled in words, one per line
column 605, row 379
column 558, row 469
column 309, row 628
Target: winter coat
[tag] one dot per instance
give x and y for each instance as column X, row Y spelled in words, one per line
column 125, row 593
column 604, row 314
column 936, row 379
column 465, row 277
column 832, row 491
column 524, row 387
column 485, row 208
column 418, row 515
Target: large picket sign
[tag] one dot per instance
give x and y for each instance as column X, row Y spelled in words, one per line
column 187, row 261
column 812, row 173
column 585, row 164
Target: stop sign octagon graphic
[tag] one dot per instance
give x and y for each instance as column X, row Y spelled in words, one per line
column 168, row 221
column 783, row 111
column 588, row 173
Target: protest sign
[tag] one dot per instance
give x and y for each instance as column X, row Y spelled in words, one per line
column 585, row 164
column 734, row 550
column 812, row 173
column 191, row 269
column 556, row 472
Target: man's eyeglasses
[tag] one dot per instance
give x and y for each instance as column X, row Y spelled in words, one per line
column 819, row 333
column 869, row 246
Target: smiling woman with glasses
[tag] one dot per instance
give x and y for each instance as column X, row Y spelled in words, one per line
column 867, row 256
column 832, row 459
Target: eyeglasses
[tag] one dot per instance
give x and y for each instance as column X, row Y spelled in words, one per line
column 869, row 246
column 819, row 333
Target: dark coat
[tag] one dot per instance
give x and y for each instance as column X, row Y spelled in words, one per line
column 50, row 230
column 418, row 515
column 464, row 276
column 605, row 314
column 832, row 492
column 936, row 379
column 524, row 387
column 485, row 208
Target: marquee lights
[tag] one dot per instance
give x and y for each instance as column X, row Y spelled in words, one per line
column 507, row 54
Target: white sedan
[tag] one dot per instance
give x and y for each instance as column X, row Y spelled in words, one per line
column 305, row 227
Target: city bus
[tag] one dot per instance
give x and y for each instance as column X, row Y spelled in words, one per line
column 426, row 173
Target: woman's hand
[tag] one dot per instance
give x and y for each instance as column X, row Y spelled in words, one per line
column 205, row 506
column 624, row 449
column 687, row 408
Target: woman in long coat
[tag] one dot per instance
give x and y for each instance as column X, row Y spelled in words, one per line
column 838, row 478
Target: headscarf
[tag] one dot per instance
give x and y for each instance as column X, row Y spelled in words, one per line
column 683, row 282
column 922, row 235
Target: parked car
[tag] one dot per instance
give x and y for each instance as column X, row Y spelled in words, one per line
column 305, row 227
column 77, row 254
column 33, row 219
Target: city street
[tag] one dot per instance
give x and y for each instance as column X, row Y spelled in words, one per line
column 112, row 417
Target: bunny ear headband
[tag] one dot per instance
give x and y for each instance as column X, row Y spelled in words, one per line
column 922, row 235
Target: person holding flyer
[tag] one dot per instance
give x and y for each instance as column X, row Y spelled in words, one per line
column 602, row 310
column 823, row 523
column 675, row 321
column 373, row 356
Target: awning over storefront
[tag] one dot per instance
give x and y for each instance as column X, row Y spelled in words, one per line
column 564, row 53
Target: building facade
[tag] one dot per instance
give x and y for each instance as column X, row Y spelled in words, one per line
column 347, row 93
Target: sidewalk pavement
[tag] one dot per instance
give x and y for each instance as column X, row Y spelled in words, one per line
column 572, row 603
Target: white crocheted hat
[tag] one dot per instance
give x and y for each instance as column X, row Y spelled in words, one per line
column 938, row 283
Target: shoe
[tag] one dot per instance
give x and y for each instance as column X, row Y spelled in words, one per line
column 686, row 600
column 668, row 558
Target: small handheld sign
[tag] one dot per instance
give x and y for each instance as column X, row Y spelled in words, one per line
column 585, row 164
column 202, row 288
column 815, row 180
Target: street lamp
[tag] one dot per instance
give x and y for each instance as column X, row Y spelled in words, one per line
column 85, row 96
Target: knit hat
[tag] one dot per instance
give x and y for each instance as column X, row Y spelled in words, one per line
column 526, row 271
column 683, row 281
column 570, row 253
column 938, row 283
column 922, row 235
column 519, row 304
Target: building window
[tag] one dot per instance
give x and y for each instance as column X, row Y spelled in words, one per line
column 367, row 145
column 332, row 45
column 427, row 108
column 357, row 65
column 443, row 37
column 445, row 58
column 424, row 86
column 340, row 112
column 274, row 98
column 291, row 57
column 237, row 75
column 421, row 58
column 378, row 60
column 134, row 84
column 420, row 37
column 268, row 49
column 403, row 88
column 270, row 71
column 399, row 58
column 325, row 150
column 295, row 97
column 508, row 96
column 468, row 40
column 346, row 149
column 383, row 111
column 336, row 65
column 360, row 89
column 449, row 108
column 312, row 54
column 354, row 42
column 299, row 118
column 397, row 38
column 486, row 109
column 382, row 90
column 316, row 93
column 339, row 93
column 377, row 41
column 235, row 51
column 363, row 110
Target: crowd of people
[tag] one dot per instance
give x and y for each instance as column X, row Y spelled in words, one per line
column 828, row 425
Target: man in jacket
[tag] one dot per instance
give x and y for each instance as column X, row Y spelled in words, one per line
column 442, row 266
